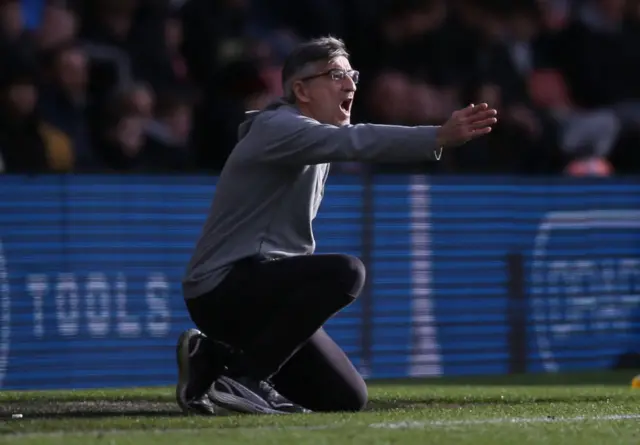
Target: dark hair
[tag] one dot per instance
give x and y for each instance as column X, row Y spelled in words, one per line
column 323, row 49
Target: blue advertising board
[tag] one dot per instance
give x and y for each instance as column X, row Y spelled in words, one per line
column 90, row 270
column 580, row 243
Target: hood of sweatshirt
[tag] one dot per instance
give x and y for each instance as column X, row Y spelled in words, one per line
column 250, row 116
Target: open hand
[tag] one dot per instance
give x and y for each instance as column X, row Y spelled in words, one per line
column 466, row 124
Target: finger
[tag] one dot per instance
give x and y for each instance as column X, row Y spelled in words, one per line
column 465, row 112
column 484, row 123
column 475, row 109
column 480, row 107
column 481, row 116
column 480, row 132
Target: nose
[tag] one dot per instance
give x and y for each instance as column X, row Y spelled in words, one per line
column 348, row 84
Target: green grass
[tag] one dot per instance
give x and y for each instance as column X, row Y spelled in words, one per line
column 584, row 409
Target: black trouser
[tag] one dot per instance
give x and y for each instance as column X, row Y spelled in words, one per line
column 273, row 311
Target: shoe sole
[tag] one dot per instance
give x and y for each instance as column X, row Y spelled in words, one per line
column 241, row 404
column 182, row 357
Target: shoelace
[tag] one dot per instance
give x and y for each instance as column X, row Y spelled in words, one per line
column 269, row 391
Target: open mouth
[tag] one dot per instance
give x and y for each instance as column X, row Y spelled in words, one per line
column 345, row 106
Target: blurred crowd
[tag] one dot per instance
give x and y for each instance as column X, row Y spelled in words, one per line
column 161, row 85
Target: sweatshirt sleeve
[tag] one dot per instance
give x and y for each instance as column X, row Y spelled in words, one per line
column 288, row 138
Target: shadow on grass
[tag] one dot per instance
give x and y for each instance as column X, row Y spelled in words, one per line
column 97, row 409
column 444, row 402
column 53, row 415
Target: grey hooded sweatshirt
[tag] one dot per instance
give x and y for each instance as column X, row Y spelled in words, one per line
column 272, row 184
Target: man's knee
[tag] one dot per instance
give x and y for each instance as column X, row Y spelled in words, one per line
column 350, row 399
column 357, row 399
column 350, row 273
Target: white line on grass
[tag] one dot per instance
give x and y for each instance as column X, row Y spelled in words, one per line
column 333, row 426
column 501, row 420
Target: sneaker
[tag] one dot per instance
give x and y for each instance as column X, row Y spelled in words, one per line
column 202, row 406
column 277, row 400
column 245, row 395
column 191, row 390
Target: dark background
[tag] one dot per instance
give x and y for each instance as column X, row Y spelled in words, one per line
column 160, row 86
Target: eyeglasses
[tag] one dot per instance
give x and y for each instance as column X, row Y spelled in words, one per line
column 337, row 75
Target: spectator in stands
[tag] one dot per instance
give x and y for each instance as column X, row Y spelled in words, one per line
column 59, row 26
column 600, row 60
column 592, row 166
column 167, row 136
column 419, row 60
column 224, row 46
column 138, row 99
column 27, row 144
column 400, row 87
column 507, row 47
column 65, row 102
column 144, row 136
column 532, row 52
column 110, row 22
column 11, row 20
column 423, row 89
column 12, row 32
column 132, row 142
column 157, row 57
column 16, row 43
column 121, row 132
column 600, row 63
column 121, row 140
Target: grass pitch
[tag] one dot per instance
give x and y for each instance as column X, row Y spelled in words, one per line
column 584, row 409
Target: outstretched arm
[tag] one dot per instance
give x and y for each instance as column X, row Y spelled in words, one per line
column 296, row 139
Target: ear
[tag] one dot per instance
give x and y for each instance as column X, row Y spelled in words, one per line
column 300, row 91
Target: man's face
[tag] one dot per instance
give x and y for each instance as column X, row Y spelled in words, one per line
column 11, row 20
column 23, row 98
column 143, row 102
column 129, row 133
column 328, row 95
column 73, row 71
column 173, row 35
column 180, row 123
column 58, row 26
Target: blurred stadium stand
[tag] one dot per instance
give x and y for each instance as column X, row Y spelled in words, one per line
column 160, row 85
